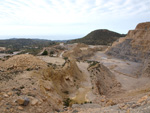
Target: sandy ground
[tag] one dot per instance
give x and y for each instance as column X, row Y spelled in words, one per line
column 84, row 93
column 126, row 72
column 87, row 85
column 53, row 60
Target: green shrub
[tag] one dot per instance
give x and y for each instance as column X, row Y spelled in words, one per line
column 85, row 102
column 67, row 102
column 66, row 92
column 45, row 52
column 28, row 69
column 65, row 58
column 93, row 63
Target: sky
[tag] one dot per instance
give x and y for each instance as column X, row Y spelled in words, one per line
column 69, row 19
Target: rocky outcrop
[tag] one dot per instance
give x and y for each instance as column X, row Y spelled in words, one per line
column 103, row 79
column 135, row 46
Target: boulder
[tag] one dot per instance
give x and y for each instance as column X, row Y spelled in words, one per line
column 23, row 102
column 34, row 101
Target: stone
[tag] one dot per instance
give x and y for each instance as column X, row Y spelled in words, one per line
column 75, row 111
column 44, row 99
column 20, row 108
column 134, row 105
column 11, row 110
column 5, row 95
column 143, row 103
column 102, row 100
column 110, row 103
column 128, row 111
column 142, row 99
column 23, row 102
column 31, row 94
column 26, row 102
column 20, row 101
column 40, row 101
column 47, row 85
column 34, row 102
column 9, row 93
column 123, row 106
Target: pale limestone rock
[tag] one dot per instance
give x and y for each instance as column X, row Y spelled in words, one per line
column 110, row 103
column 23, row 102
column 128, row 111
column 20, row 108
column 34, row 102
column 102, row 100
column 142, row 99
column 5, row 95
column 10, row 93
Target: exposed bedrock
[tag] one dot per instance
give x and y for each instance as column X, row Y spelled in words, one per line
column 135, row 46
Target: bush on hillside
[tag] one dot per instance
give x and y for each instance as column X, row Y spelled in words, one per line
column 45, row 52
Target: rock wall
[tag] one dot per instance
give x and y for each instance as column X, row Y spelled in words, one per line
column 135, row 46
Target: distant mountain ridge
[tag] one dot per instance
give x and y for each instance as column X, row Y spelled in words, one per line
column 99, row 37
column 17, row 44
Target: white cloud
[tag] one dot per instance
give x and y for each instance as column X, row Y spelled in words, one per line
column 55, row 14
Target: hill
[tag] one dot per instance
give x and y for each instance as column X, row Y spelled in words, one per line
column 32, row 46
column 99, row 37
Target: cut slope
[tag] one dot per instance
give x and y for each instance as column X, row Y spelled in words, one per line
column 135, row 46
column 103, row 80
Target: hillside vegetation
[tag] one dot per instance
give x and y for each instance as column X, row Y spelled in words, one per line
column 28, row 45
column 22, row 43
column 99, row 37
